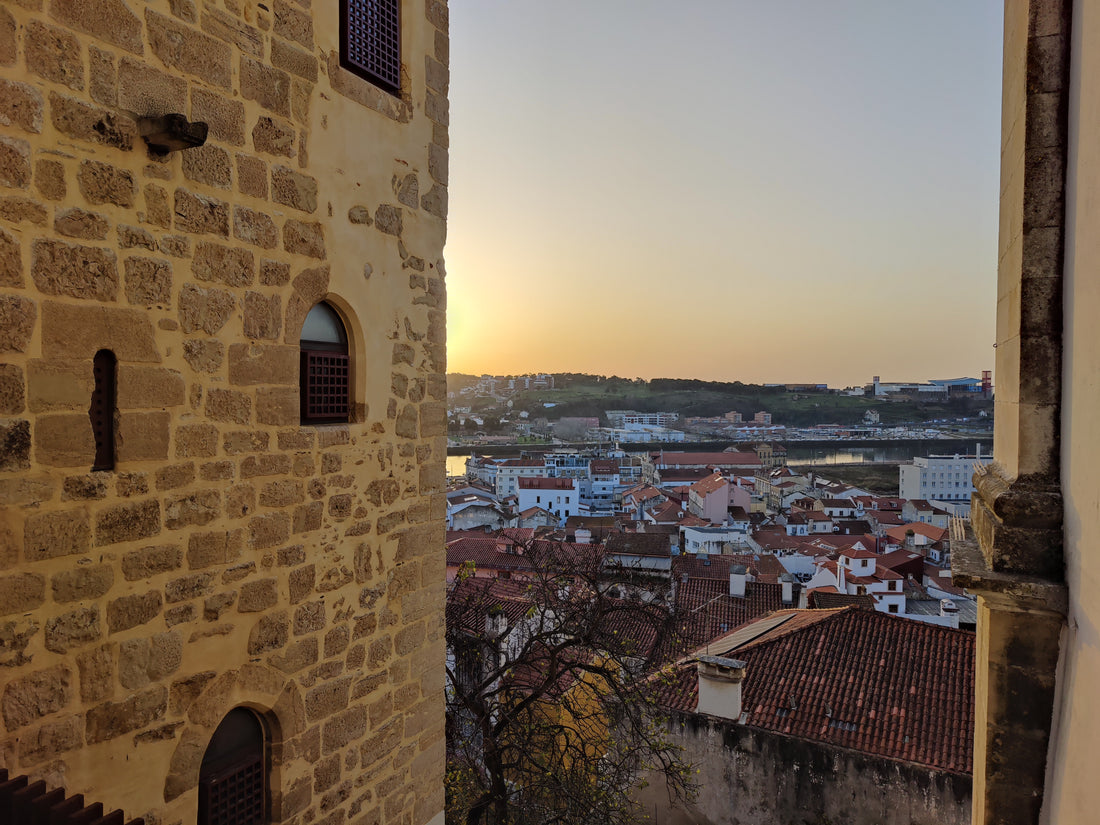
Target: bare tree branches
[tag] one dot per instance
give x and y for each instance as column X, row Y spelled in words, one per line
column 551, row 691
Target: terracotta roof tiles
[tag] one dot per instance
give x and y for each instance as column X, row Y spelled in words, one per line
column 858, row 679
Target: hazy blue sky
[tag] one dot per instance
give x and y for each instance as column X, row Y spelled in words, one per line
column 766, row 191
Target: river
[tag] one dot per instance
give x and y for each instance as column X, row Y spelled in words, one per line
column 823, row 453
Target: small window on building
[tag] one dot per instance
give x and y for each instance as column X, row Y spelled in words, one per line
column 893, row 608
column 370, row 41
column 325, row 367
column 233, row 775
column 102, row 409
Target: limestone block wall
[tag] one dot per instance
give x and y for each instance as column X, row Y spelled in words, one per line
column 232, row 556
column 1071, row 795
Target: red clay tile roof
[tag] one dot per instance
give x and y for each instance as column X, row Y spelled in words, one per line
column 694, row 521
column 517, row 534
column 707, row 610
column 776, row 538
column 639, row 544
column 592, row 522
column 927, row 530
column 857, row 679
column 941, row 581
column 485, row 553
column 762, row 566
column 860, row 554
column 898, row 558
column 643, row 492
column 888, row 503
column 469, row 601
column 710, row 484
column 682, row 477
column 703, row 567
column 820, row 598
column 669, row 512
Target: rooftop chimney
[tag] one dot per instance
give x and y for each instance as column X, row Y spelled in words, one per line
column 582, row 536
column 786, row 582
column 496, row 622
column 738, row 579
column 950, row 611
column 720, row 686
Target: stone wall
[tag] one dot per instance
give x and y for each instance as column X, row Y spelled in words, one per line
column 1016, row 561
column 232, row 557
column 1072, row 797
column 749, row 776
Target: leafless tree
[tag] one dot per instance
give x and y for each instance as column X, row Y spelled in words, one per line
column 552, row 688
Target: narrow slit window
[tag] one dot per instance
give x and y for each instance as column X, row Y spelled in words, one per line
column 102, row 409
column 370, row 41
column 325, row 367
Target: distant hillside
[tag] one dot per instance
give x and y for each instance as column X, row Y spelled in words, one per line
column 578, row 394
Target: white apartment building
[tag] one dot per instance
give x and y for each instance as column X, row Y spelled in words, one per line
column 560, row 496
column 511, row 470
column 940, row 477
column 714, row 541
column 622, row 418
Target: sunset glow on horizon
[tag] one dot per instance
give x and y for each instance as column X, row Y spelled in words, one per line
column 784, row 192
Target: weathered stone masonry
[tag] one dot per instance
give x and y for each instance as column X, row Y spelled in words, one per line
column 232, row 557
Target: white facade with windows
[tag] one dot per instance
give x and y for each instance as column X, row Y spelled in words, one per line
column 560, row 496
column 939, row 477
column 509, row 472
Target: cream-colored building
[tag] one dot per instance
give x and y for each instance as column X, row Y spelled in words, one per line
column 222, row 405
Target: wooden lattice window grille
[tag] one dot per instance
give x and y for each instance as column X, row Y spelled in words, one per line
column 325, row 385
column 370, row 41
column 102, row 409
column 233, row 775
column 234, row 794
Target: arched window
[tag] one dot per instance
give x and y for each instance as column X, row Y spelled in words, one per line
column 102, row 409
column 325, row 367
column 233, row 775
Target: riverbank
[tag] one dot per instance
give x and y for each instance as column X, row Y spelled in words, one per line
column 892, row 449
column 832, row 454
column 880, row 479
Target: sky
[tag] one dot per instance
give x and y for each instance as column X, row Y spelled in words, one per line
column 781, row 191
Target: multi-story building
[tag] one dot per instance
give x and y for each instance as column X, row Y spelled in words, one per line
column 601, row 487
column 511, row 470
column 714, row 540
column 560, row 496
column 940, row 477
column 222, row 406
column 622, row 418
